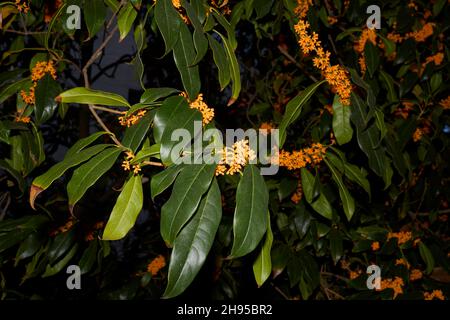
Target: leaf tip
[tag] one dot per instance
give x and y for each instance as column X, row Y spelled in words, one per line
column 34, row 192
column 231, row 101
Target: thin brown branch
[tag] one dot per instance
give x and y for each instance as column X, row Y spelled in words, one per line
column 292, row 59
column 108, row 110
column 152, row 163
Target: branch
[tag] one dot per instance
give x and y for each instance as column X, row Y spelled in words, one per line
column 292, row 59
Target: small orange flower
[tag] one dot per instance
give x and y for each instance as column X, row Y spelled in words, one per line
column 128, row 121
column 156, row 265
column 402, row 236
column 22, row 6
column 403, row 262
column 235, row 158
column 200, row 105
column 445, row 103
column 300, row 159
column 375, row 246
column 415, row 274
column 396, row 285
column 434, row 294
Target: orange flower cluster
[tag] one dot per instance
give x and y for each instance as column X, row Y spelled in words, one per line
column 354, row 274
column 418, row 134
column 335, row 75
column 302, row 8
column 66, row 227
column 415, row 274
column 20, row 118
column 434, row 294
column 437, row 59
column 200, row 105
column 402, row 236
column 301, row 158
column 402, row 262
column 375, row 246
column 366, row 35
column 224, row 7
column 22, row 6
column 126, row 164
column 419, row 35
column 298, row 194
column 177, row 5
column 235, row 158
column 156, row 265
column 395, row 285
column 445, row 103
column 132, row 119
column 37, row 73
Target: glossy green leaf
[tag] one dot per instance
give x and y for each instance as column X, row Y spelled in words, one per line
column 358, row 175
column 187, row 191
column 90, row 96
column 200, row 41
column 135, row 134
column 235, row 72
column 168, row 22
column 341, row 122
column 181, row 117
column 262, row 267
column 13, row 88
column 89, row 257
column 250, row 215
column 192, row 245
column 126, row 210
column 348, row 203
column 45, row 180
column 83, row 143
column 372, row 56
column 152, row 94
column 88, row 173
column 294, row 108
column 220, row 59
column 52, row 270
column 163, row 180
column 336, row 245
column 94, row 16
column 46, row 91
column 427, row 257
column 320, row 204
column 60, row 245
column 184, row 56
column 125, row 19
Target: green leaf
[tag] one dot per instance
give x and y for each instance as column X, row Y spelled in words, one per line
column 168, row 22
column 8, row 90
column 13, row 231
column 189, row 187
column 83, row 143
column 336, row 245
column 250, row 215
column 89, row 257
column 29, row 247
column 192, row 245
column 427, row 257
column 341, row 122
column 163, row 180
column 320, row 204
column 348, row 202
column 262, row 267
column 235, row 72
column 153, row 94
column 372, row 55
column 90, row 96
column 87, row 174
column 46, row 91
column 200, row 41
column 125, row 20
column 221, row 61
column 94, row 16
column 294, row 108
column 14, row 173
column 135, row 135
column 358, row 175
column 388, row 44
column 146, row 153
column 125, row 211
column 52, row 270
column 45, row 180
column 60, row 245
column 438, row 6
column 184, row 55
column 181, row 117
column 389, row 83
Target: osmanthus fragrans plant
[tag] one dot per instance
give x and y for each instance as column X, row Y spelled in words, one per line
column 363, row 128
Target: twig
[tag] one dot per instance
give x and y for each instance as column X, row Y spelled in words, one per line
column 23, row 33
column 280, row 292
column 292, row 59
column 151, row 163
column 108, row 110
column 334, row 275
